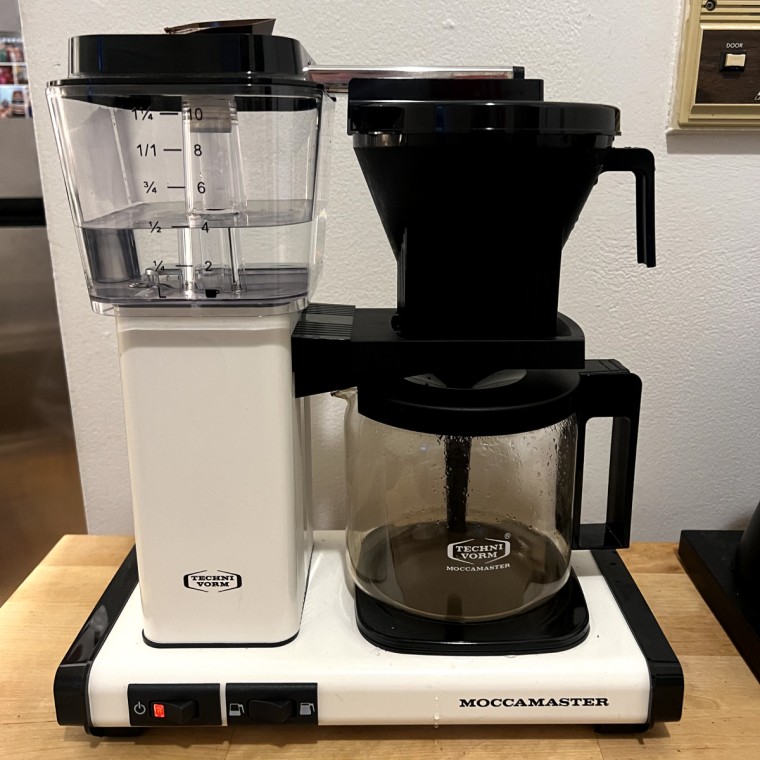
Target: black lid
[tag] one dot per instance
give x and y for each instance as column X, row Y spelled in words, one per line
column 451, row 106
column 174, row 57
column 541, row 398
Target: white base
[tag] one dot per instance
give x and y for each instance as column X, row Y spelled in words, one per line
column 604, row 679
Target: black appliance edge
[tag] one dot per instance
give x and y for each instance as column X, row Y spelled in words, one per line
column 72, row 706
column 708, row 557
column 665, row 672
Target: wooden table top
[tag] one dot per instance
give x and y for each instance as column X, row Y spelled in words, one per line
column 721, row 714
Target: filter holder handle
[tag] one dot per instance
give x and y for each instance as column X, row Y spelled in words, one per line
column 641, row 162
column 608, row 389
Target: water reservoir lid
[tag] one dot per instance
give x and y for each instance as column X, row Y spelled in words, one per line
column 174, row 58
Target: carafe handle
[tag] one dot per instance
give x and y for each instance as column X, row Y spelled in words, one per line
column 608, row 389
column 641, row 162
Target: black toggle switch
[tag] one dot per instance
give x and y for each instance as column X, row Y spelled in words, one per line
column 272, row 703
column 177, row 713
column 271, row 710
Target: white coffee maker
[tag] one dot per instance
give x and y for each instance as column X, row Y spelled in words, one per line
column 196, row 169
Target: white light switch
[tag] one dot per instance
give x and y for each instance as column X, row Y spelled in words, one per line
column 734, row 60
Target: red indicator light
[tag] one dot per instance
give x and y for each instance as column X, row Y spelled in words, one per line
column 158, row 710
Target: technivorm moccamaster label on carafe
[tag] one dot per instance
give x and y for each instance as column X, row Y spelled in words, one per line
column 477, row 554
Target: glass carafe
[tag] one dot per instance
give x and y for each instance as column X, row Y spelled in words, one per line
column 464, row 504
column 459, row 527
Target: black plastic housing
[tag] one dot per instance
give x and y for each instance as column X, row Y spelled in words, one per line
column 335, row 345
column 710, row 558
column 748, row 555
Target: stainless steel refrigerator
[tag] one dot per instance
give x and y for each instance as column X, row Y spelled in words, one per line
column 40, row 492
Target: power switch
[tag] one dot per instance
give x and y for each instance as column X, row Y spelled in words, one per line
column 174, row 704
column 733, row 61
column 177, row 713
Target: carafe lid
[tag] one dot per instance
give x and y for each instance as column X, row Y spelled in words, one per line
column 527, row 401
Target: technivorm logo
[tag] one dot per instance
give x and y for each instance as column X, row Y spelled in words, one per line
column 212, row 581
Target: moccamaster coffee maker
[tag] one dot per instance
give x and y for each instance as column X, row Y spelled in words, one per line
column 465, row 588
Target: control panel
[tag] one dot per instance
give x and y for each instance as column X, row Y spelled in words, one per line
column 200, row 704
column 718, row 84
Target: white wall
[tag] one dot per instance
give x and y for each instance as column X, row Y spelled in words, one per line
column 690, row 328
